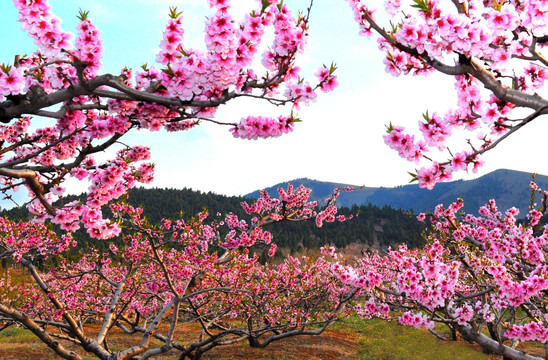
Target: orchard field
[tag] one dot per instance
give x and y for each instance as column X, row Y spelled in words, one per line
column 102, row 280
column 351, row 339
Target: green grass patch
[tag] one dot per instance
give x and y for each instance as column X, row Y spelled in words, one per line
column 388, row 340
column 18, row 334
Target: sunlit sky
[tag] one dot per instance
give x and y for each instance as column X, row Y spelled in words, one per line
column 340, row 138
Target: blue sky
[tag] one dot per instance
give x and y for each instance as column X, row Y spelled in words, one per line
column 340, row 138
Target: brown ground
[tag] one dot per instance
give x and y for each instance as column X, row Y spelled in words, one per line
column 332, row 344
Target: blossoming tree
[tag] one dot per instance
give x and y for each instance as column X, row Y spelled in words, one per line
column 59, row 111
column 484, row 276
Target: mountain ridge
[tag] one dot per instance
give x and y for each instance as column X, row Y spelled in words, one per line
column 507, row 187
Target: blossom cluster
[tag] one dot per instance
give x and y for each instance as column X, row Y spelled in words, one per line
column 11, row 80
column 416, row 320
column 89, row 47
column 404, row 144
column 328, row 81
column 533, row 331
column 255, row 127
column 43, row 26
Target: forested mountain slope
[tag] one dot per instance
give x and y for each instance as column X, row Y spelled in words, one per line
column 372, row 226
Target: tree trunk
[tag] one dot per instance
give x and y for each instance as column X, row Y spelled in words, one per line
column 493, row 346
column 254, row 342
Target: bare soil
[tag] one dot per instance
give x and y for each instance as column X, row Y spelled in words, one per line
column 332, row 344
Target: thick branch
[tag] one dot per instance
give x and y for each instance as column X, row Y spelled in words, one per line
column 87, row 344
column 473, row 68
column 46, row 338
column 493, row 346
column 149, row 333
column 36, row 99
column 113, row 303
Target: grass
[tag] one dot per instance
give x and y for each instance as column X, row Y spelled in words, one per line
column 15, row 333
column 382, row 340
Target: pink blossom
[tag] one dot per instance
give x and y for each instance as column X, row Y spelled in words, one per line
column 57, row 190
column 254, row 127
column 459, row 161
column 12, row 81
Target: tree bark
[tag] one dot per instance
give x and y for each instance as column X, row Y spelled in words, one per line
column 493, row 346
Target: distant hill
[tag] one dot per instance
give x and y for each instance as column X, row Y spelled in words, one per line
column 508, row 188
